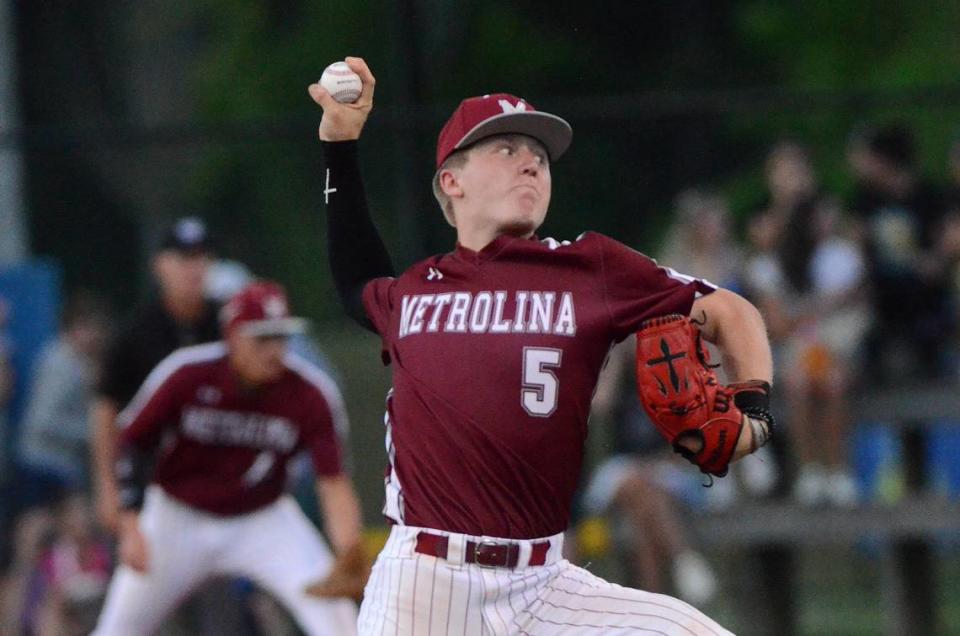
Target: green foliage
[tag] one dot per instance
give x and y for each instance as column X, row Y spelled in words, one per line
column 264, row 196
column 823, row 44
column 259, row 57
column 852, row 48
column 500, row 53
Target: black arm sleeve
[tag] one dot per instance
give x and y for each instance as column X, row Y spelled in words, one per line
column 357, row 253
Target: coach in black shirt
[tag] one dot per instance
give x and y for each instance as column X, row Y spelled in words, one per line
column 181, row 316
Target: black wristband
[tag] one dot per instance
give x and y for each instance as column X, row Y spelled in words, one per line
column 753, row 400
column 130, row 470
column 753, row 394
column 759, row 413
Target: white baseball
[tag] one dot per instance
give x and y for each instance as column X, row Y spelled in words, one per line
column 342, row 83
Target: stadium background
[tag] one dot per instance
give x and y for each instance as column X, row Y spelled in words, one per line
column 122, row 116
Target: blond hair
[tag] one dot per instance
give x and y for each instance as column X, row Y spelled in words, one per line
column 454, row 162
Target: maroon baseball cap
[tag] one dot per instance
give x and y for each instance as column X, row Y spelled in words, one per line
column 501, row 114
column 261, row 309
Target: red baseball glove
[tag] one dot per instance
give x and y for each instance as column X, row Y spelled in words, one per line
column 683, row 398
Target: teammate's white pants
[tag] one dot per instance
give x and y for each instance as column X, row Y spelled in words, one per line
column 419, row 595
column 277, row 547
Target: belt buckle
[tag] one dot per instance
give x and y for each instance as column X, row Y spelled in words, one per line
column 492, row 550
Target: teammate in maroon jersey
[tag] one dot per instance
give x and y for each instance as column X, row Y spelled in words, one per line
column 223, row 419
column 496, row 348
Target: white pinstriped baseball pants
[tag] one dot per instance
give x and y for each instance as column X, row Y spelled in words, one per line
column 413, row 594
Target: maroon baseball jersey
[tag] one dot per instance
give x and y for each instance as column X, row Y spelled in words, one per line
column 495, row 359
column 224, row 448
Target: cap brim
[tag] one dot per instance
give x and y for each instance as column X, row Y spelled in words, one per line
column 274, row 327
column 552, row 131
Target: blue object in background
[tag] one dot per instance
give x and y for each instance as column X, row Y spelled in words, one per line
column 876, row 456
column 943, row 458
column 31, row 293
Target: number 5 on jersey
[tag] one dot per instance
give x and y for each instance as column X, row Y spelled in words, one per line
column 541, row 388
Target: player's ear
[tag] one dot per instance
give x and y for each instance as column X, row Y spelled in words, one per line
column 449, row 182
column 159, row 265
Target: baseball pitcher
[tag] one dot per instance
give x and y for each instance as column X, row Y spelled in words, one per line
column 495, row 349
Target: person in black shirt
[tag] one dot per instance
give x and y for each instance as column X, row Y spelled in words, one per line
column 901, row 216
column 179, row 317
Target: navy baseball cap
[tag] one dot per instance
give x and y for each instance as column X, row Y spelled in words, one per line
column 188, row 235
column 501, row 114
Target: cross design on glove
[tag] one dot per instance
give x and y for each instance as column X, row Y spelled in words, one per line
column 668, row 358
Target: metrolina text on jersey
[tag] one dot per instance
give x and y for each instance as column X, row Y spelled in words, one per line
column 483, row 312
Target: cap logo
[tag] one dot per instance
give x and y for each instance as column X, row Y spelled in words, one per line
column 507, row 107
column 208, row 394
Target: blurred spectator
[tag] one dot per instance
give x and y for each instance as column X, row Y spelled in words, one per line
column 6, row 391
column 59, row 576
column 902, row 217
column 74, row 571
column 53, row 449
column 948, row 243
column 7, row 488
column 699, row 241
column 20, row 603
column 775, row 273
column 807, row 280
